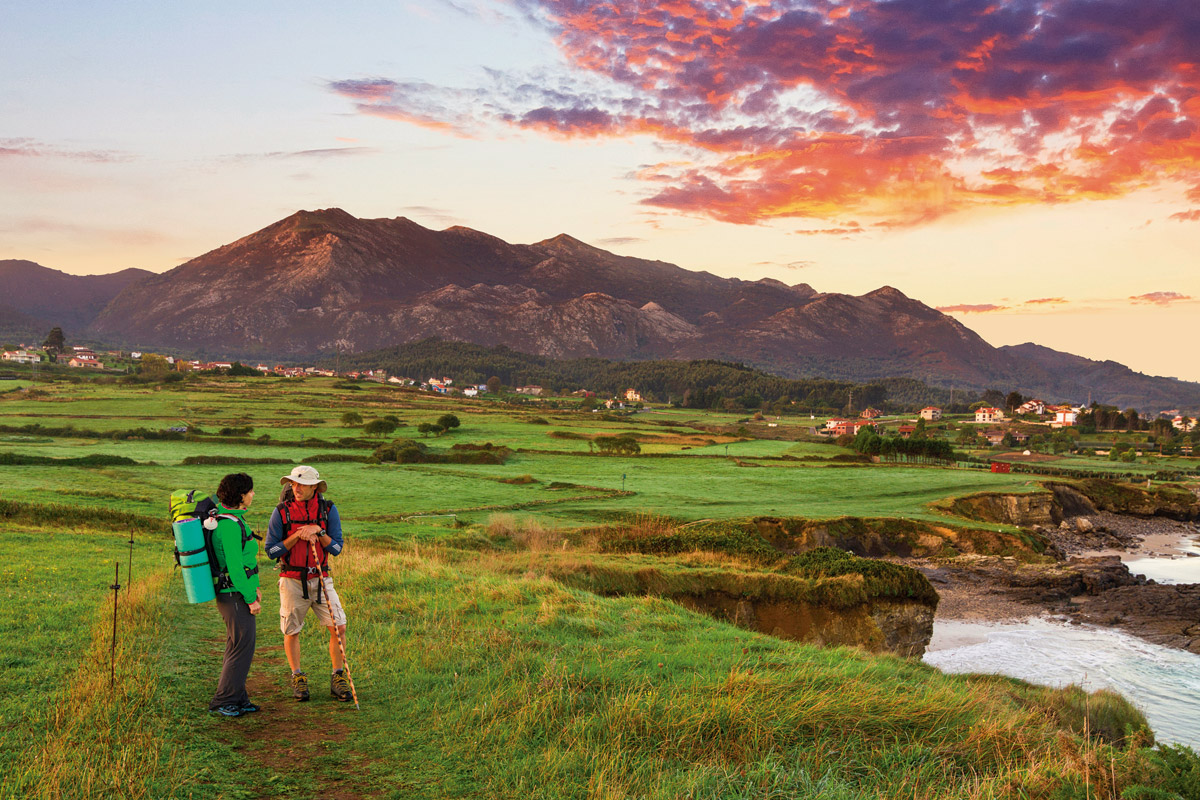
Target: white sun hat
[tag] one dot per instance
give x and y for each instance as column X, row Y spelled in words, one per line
column 306, row 476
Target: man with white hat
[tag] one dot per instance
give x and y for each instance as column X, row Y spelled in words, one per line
column 304, row 531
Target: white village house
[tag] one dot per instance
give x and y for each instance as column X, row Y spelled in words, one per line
column 988, row 414
column 22, row 356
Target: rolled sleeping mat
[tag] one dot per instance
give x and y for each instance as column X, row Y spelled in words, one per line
column 193, row 558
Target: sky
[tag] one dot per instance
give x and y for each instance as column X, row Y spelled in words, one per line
column 1031, row 168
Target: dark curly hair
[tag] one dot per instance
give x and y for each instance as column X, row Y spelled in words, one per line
column 233, row 488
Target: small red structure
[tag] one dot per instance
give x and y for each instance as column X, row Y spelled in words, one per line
column 1002, row 467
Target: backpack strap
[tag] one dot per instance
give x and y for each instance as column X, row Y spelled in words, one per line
column 223, row 579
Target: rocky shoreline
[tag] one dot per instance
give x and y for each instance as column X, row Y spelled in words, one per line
column 1089, row 585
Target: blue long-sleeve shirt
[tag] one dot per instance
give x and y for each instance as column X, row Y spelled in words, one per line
column 275, row 534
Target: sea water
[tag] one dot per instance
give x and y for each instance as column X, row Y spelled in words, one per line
column 1162, row 682
column 1175, row 569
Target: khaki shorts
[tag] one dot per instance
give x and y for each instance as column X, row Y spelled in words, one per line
column 293, row 607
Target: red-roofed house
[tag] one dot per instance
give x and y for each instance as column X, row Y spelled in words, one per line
column 1032, row 407
column 851, row 426
column 931, row 413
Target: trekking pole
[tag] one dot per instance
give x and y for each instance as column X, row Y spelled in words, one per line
column 129, row 572
column 333, row 627
column 112, row 656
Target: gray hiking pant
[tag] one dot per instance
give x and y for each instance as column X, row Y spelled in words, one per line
column 240, row 635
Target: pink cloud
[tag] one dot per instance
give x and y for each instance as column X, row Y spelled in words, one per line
column 967, row 308
column 1187, row 216
column 1160, row 298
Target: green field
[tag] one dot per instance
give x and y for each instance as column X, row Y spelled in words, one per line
column 480, row 675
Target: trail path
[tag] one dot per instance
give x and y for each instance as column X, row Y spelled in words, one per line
column 305, row 749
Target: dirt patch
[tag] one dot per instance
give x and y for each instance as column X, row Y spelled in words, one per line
column 310, row 743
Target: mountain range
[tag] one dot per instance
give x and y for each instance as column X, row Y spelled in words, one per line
column 321, row 282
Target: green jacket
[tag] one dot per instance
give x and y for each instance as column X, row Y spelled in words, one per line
column 241, row 558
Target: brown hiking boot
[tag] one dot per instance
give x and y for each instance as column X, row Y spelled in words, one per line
column 339, row 686
column 300, row 686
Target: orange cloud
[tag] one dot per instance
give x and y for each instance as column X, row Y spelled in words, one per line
column 900, row 112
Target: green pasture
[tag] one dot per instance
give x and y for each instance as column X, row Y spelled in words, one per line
column 479, row 675
column 683, row 488
column 56, row 583
column 479, row 684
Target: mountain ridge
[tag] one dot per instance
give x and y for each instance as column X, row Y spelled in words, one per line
column 324, row 281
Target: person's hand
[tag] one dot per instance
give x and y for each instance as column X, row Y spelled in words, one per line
column 258, row 595
column 255, row 607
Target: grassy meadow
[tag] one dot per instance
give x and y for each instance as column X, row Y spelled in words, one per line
column 479, row 674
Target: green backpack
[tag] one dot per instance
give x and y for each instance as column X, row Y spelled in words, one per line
column 194, row 553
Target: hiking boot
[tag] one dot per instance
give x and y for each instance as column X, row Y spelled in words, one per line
column 248, row 708
column 300, row 686
column 230, row 710
column 339, row 686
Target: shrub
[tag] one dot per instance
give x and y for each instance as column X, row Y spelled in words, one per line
column 230, row 460
column 448, row 421
column 882, row 577
column 379, row 427
column 352, row 418
column 243, row 430
column 624, row 444
column 427, row 428
column 93, row 460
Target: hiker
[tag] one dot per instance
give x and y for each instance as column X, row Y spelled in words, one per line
column 304, row 522
column 238, row 596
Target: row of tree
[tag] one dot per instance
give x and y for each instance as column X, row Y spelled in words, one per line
column 702, row 384
column 915, row 448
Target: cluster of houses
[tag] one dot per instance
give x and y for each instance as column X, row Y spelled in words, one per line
column 23, row 356
column 1064, row 416
column 83, row 357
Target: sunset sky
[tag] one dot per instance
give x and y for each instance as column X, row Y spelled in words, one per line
column 1031, row 167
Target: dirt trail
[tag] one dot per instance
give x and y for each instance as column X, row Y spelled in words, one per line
column 309, row 744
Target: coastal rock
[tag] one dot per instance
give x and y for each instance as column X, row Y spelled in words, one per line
column 1050, row 586
column 1164, row 614
column 901, row 628
column 1025, row 510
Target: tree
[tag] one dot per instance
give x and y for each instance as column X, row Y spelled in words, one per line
column 993, row 397
column 153, row 366
column 447, row 421
column 379, row 427
column 1013, row 401
column 237, row 368
column 426, row 428
column 352, row 418
column 919, row 430
column 55, row 341
column 493, row 384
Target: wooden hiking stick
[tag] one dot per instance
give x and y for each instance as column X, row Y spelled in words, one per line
column 333, row 625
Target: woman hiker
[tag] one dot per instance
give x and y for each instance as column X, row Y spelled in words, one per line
column 238, row 596
column 304, row 531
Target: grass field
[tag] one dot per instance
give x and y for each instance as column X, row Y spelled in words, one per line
column 480, row 676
